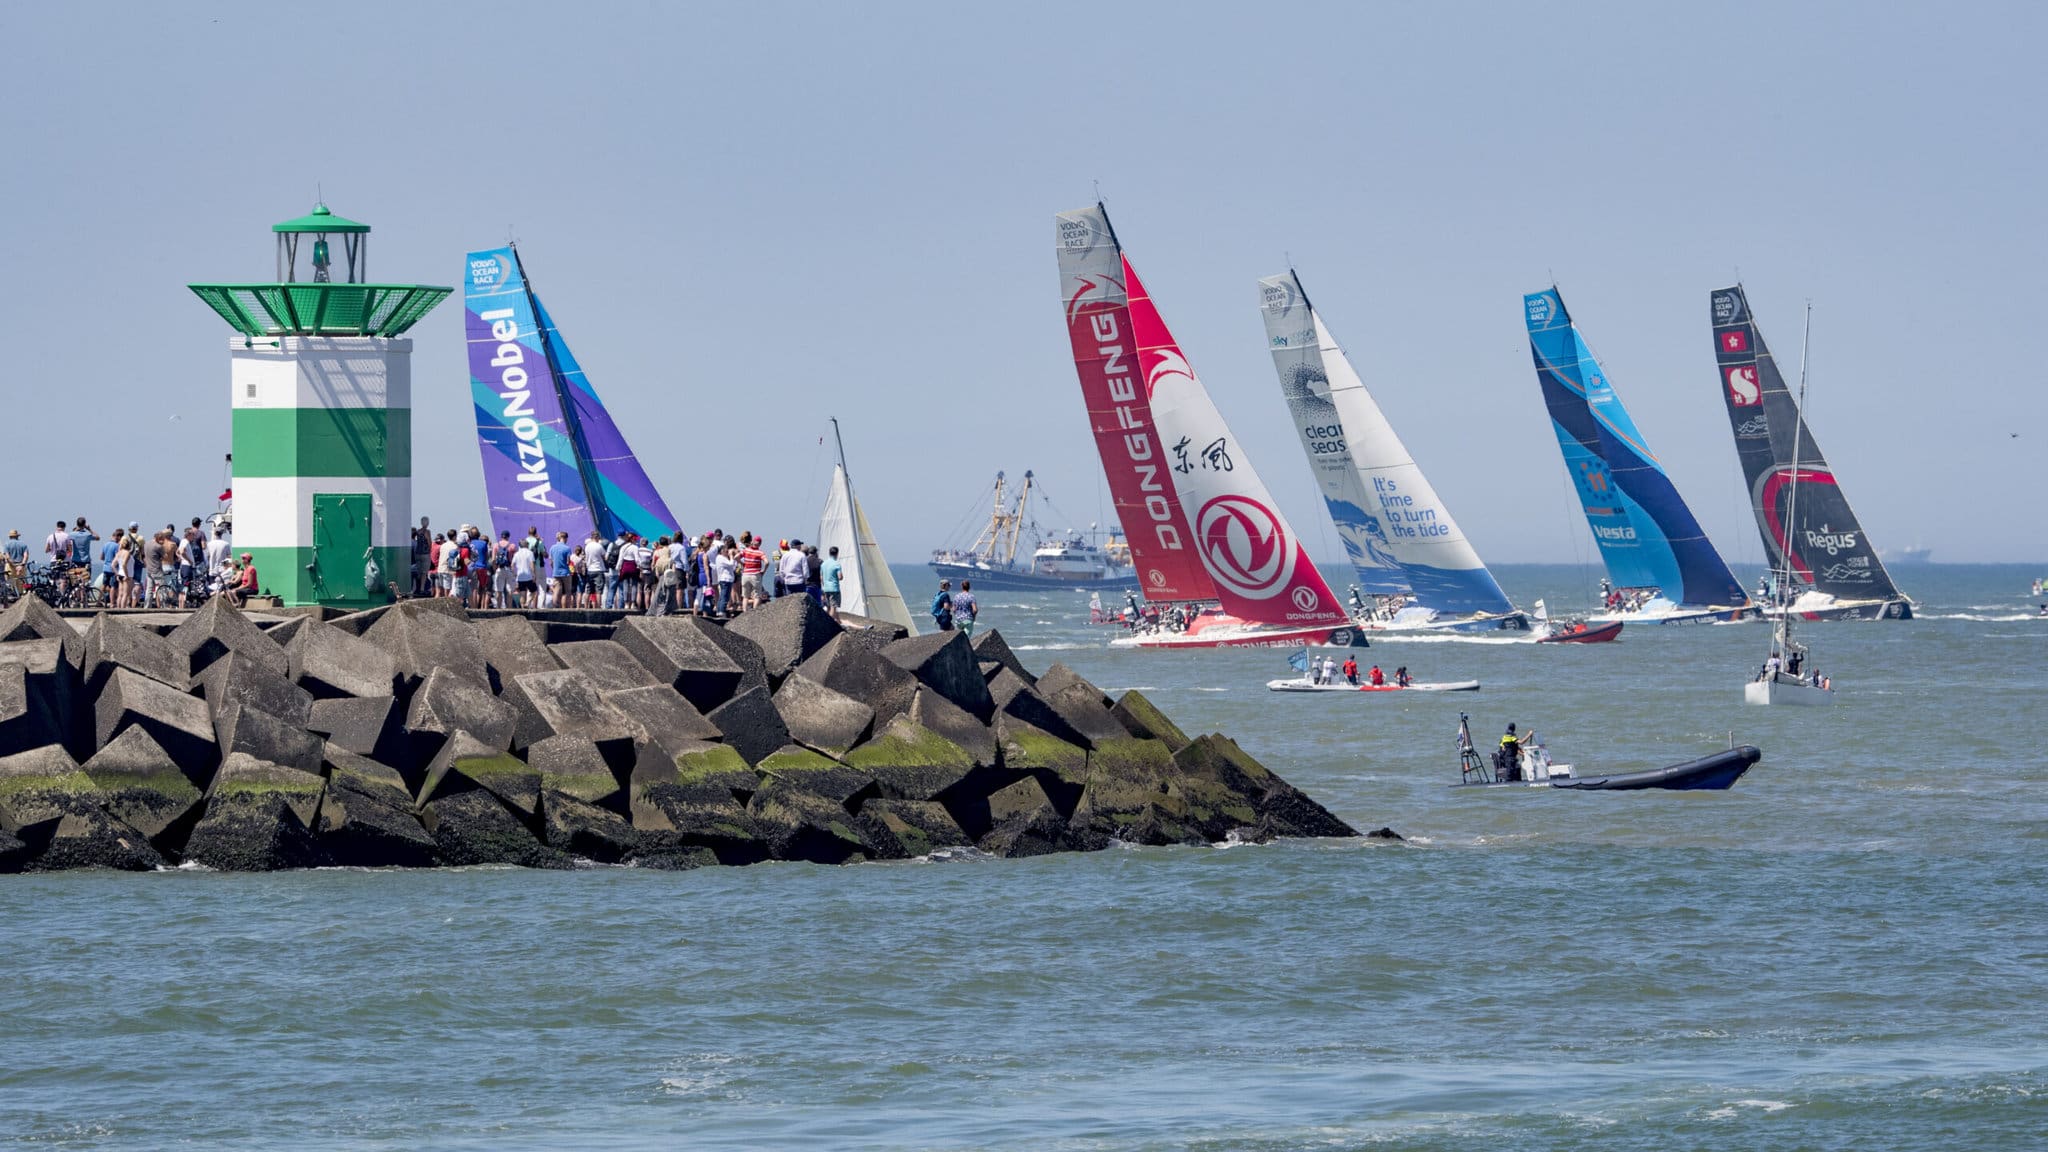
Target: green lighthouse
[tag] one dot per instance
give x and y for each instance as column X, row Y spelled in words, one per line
column 321, row 391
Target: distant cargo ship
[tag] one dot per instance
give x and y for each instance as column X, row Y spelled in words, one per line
column 1012, row 552
column 1912, row 556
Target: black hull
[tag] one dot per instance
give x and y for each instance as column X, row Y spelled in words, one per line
column 1714, row 773
column 1030, row 581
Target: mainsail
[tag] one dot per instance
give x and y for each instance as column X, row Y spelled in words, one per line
column 1827, row 547
column 1647, row 536
column 1396, row 530
column 553, row 457
column 1120, row 413
column 1256, row 564
column 866, row 587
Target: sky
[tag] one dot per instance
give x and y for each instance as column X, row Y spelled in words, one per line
column 749, row 218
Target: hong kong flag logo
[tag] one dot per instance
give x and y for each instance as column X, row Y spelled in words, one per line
column 1735, row 340
column 1244, row 546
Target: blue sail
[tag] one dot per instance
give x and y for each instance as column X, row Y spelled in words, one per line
column 623, row 498
column 1647, row 536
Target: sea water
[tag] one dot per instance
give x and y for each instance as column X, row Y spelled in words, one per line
column 1846, row 951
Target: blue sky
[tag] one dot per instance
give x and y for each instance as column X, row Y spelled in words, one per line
column 749, row 218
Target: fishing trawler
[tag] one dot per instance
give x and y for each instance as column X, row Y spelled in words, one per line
column 1205, row 534
column 1828, row 567
column 1092, row 560
column 1661, row 568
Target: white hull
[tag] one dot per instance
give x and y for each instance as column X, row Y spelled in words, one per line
column 1786, row 692
column 1716, row 614
column 1304, row 685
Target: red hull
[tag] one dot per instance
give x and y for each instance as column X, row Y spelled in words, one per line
column 1599, row 635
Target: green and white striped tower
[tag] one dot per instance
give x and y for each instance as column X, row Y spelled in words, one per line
column 322, row 402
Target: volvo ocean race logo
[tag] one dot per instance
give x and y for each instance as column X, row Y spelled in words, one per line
column 1077, row 233
column 1305, row 598
column 1727, row 308
column 1540, row 310
column 1743, row 389
column 487, row 273
column 1244, row 546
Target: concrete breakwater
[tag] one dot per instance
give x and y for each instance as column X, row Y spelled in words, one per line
column 415, row 736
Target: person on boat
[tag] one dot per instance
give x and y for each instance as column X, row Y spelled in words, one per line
column 1329, row 669
column 1507, row 759
column 1793, row 662
column 1351, row 670
column 1401, row 676
column 1379, row 678
column 1770, row 672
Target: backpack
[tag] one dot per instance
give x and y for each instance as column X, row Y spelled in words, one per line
column 942, row 608
column 611, row 556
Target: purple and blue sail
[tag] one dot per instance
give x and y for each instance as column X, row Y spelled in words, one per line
column 553, row 457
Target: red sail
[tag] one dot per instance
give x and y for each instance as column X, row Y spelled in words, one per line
column 1120, row 411
column 1254, row 560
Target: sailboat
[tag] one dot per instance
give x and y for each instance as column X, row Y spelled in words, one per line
column 1788, row 676
column 554, row 460
column 1201, row 526
column 1421, row 572
column 1832, row 570
column 866, row 587
column 1661, row 567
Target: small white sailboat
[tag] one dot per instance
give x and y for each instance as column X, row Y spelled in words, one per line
column 1788, row 675
column 866, row 587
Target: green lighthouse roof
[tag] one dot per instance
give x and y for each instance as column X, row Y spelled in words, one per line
column 320, row 220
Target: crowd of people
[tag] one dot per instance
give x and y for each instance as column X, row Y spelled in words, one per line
column 173, row 568
column 713, row 574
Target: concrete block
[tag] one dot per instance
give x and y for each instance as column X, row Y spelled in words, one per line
column 329, row 662
column 819, row 775
column 422, row 640
column 606, row 662
column 750, row 724
column 217, row 628
column 512, row 646
column 447, row 703
column 847, row 666
column 110, row 643
column 141, row 786
column 679, row 654
column 815, row 715
column 663, row 717
column 177, row 722
column 789, row 631
column 258, row 734
column 238, row 678
column 944, row 662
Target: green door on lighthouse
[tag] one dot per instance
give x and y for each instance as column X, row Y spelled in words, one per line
column 341, row 539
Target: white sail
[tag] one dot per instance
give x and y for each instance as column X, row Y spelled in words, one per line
column 866, row 588
column 1440, row 564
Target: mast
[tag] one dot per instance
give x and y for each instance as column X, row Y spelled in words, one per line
column 1792, row 493
column 593, row 496
column 839, row 442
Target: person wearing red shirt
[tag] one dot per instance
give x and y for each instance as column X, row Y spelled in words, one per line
column 1351, row 669
column 752, row 563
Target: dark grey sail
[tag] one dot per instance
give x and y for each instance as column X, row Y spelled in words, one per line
column 1826, row 549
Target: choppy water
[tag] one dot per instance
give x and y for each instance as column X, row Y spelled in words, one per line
column 1847, row 951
